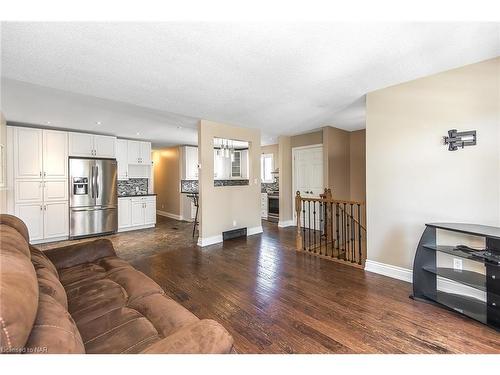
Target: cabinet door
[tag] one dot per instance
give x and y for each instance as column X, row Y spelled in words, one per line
column 29, row 191
column 134, row 152
column 55, row 222
column 145, row 153
column 150, row 211
column 192, row 163
column 55, row 154
column 104, row 146
column 122, row 158
column 55, row 190
column 32, row 215
column 137, row 212
column 28, row 153
column 81, row 144
column 124, row 212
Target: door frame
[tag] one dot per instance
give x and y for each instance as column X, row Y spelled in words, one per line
column 294, row 151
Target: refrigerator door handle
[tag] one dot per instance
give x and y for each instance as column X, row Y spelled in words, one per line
column 97, row 180
column 92, row 180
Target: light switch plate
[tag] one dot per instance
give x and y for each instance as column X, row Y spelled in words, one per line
column 457, row 264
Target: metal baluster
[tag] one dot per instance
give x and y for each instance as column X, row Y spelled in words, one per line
column 314, row 225
column 337, row 229
column 320, row 224
column 304, row 223
column 360, row 249
column 331, row 225
column 344, row 232
column 353, row 254
column 309, row 227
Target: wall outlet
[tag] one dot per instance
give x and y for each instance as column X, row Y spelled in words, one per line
column 457, row 264
column 234, row 223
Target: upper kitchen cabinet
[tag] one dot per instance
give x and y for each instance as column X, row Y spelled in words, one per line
column 28, row 153
column 40, row 154
column 55, row 154
column 139, row 152
column 190, row 163
column 122, row 158
column 91, row 145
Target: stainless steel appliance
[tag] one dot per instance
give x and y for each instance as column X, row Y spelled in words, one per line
column 273, row 206
column 93, row 199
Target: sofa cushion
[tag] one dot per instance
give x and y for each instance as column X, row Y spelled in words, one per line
column 54, row 330
column 18, row 290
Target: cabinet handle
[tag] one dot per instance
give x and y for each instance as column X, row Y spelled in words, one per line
column 40, row 173
column 41, row 207
column 44, row 174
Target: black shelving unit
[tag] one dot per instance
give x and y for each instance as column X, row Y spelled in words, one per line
column 426, row 271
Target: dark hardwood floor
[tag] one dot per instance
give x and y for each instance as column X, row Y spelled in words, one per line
column 275, row 300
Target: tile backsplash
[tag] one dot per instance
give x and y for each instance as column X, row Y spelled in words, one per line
column 128, row 187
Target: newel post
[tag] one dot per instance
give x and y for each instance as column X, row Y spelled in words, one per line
column 298, row 205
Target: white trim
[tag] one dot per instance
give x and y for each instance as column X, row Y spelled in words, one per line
column 318, row 145
column 254, row 230
column 49, row 240
column 286, row 223
column 168, row 214
column 202, row 242
column 395, row 272
column 136, row 227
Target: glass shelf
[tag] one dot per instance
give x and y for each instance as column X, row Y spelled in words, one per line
column 461, row 253
column 469, row 306
column 473, row 279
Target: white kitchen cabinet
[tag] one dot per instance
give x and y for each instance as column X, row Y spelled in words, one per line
column 55, row 154
column 124, row 213
column 190, row 163
column 136, row 212
column 28, row 154
column 55, row 190
column 150, row 211
column 28, row 191
column 122, row 158
column 55, row 220
column 32, row 215
column 91, row 145
column 138, row 217
column 139, row 152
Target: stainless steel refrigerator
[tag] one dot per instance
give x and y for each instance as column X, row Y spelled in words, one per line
column 93, row 198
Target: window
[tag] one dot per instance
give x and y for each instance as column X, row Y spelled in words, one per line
column 266, row 167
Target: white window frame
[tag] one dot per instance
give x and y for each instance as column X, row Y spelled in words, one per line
column 262, row 172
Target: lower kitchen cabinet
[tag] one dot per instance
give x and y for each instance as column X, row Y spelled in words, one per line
column 136, row 213
column 45, row 221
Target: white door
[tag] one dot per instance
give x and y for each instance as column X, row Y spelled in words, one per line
column 145, row 153
column 28, row 153
column 29, row 191
column 137, row 212
column 150, row 211
column 191, row 163
column 32, row 215
column 55, row 190
column 122, row 158
column 308, row 179
column 134, row 152
column 124, row 212
column 55, row 154
column 81, row 144
column 104, row 146
column 55, row 222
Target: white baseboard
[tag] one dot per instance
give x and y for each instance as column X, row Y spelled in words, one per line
column 48, row 240
column 127, row 229
column 395, row 272
column 286, row 223
column 209, row 240
column 168, row 214
column 254, row 230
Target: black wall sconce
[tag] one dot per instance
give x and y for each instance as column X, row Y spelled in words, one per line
column 456, row 140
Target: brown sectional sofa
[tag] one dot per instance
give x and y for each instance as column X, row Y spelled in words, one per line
column 84, row 299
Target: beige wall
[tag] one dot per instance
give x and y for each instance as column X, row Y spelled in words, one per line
column 285, row 178
column 357, row 166
column 3, row 176
column 336, row 161
column 412, row 178
column 314, row 138
column 167, row 179
column 228, row 207
column 272, row 149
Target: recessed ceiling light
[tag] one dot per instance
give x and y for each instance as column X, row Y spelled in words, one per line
column 48, row 122
column 98, row 123
column 137, row 133
column 179, row 127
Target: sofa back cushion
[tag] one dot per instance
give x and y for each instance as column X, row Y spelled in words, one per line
column 18, row 290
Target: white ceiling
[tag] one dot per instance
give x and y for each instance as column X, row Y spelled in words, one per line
column 284, row 78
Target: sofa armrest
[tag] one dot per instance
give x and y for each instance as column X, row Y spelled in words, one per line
column 85, row 252
column 203, row 337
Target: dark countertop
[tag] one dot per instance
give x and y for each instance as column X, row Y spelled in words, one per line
column 136, row 195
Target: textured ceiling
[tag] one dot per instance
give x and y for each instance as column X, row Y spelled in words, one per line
column 282, row 78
